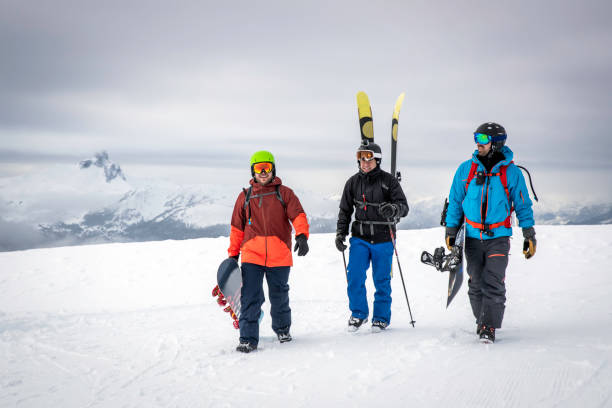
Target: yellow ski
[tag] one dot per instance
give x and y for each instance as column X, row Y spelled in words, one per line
column 365, row 118
column 394, row 125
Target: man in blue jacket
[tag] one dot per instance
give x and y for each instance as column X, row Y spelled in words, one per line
column 485, row 191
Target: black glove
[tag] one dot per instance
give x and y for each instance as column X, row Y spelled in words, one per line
column 301, row 246
column 235, row 257
column 451, row 233
column 529, row 245
column 389, row 210
column 340, row 242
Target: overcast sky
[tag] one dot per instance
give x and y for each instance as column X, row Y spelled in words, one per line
column 206, row 83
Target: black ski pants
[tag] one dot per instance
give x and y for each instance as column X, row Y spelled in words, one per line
column 252, row 297
column 486, row 266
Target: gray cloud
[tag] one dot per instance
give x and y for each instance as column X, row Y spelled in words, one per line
column 216, row 80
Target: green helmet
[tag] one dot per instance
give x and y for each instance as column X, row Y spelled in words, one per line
column 260, row 157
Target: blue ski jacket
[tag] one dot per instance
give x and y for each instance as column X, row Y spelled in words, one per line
column 488, row 204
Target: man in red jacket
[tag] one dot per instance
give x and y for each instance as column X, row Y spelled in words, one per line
column 261, row 232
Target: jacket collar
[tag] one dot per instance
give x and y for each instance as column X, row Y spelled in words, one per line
column 372, row 173
column 508, row 157
column 271, row 185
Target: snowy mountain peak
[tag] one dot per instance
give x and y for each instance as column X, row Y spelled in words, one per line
column 100, row 159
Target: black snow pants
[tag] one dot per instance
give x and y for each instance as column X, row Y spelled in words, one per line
column 486, row 266
column 252, row 298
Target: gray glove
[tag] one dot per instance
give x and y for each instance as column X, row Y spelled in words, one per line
column 340, row 242
column 389, row 210
column 301, row 245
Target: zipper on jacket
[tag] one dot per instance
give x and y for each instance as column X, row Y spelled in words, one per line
column 486, row 203
column 263, row 215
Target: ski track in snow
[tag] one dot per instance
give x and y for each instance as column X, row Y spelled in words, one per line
column 135, row 325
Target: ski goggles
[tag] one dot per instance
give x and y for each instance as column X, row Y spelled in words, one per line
column 264, row 167
column 481, row 138
column 366, row 155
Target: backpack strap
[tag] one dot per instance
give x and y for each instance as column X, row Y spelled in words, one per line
column 280, row 197
column 248, row 194
column 503, row 176
column 471, row 174
column 247, row 198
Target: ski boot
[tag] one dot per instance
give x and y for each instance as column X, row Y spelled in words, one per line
column 378, row 326
column 246, row 347
column 354, row 323
column 487, row 334
column 284, row 337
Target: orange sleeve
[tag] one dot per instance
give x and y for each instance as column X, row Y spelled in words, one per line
column 300, row 223
column 236, row 237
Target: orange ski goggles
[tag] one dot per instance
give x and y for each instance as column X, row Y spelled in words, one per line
column 365, row 155
column 264, row 167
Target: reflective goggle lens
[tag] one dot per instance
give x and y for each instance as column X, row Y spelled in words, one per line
column 264, row 167
column 481, row 138
column 365, row 155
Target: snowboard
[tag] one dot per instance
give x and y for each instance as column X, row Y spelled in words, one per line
column 451, row 263
column 229, row 285
column 228, row 288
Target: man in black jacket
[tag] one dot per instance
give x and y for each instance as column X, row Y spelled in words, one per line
column 378, row 201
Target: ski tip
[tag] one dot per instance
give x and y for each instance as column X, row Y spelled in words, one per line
column 363, row 99
column 398, row 105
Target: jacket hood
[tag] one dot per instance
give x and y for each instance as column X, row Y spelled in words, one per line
column 508, row 157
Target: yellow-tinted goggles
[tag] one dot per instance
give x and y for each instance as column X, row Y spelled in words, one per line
column 264, row 167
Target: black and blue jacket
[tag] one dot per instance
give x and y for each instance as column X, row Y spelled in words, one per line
column 363, row 194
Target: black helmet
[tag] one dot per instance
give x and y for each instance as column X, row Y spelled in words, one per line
column 370, row 147
column 497, row 133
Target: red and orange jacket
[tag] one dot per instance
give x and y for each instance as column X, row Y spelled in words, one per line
column 265, row 237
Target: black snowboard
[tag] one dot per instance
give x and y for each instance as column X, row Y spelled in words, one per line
column 451, row 263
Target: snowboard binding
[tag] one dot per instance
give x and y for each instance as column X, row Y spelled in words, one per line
column 222, row 302
column 441, row 261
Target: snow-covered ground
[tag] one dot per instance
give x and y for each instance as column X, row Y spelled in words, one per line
column 134, row 325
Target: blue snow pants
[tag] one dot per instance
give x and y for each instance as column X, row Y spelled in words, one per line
column 381, row 255
column 252, row 297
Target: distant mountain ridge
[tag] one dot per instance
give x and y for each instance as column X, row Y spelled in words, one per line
column 77, row 208
column 176, row 219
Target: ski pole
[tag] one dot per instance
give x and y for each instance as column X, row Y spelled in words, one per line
column 401, row 274
column 345, row 270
